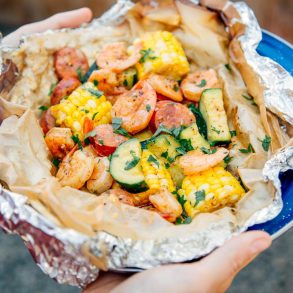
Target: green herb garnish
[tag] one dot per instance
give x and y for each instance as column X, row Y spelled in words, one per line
column 186, row 144
column 181, row 150
column 123, row 132
column 200, row 122
column 131, row 164
column 228, row 67
column 43, row 108
column 208, row 151
column 101, row 141
column 94, row 115
column 266, row 142
column 199, row 196
column 56, row 162
column 116, row 122
column 228, row 159
column 95, row 92
column 176, row 88
column 202, row 83
column 96, row 82
column 76, row 139
column 167, row 165
column 52, row 87
column 125, row 82
column 80, row 75
column 249, row 149
column 148, row 107
column 147, row 54
column 233, row 133
column 152, row 159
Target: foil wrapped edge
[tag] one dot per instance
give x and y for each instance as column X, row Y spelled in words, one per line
column 59, row 255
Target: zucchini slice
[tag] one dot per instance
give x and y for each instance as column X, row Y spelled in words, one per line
column 164, row 147
column 212, row 108
column 191, row 133
column 125, row 166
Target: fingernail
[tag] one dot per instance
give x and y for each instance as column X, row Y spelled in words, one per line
column 260, row 245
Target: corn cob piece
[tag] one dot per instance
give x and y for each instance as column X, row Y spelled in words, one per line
column 156, row 175
column 210, row 190
column 163, row 54
column 85, row 101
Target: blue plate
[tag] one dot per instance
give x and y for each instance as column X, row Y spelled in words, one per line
column 280, row 51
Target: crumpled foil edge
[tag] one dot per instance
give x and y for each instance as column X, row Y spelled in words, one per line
column 57, row 251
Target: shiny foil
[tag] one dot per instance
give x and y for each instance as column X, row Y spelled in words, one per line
column 58, row 251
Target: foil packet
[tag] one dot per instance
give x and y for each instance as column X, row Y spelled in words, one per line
column 75, row 258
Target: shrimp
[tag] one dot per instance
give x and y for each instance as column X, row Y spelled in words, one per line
column 115, row 57
column 122, row 195
column 166, row 204
column 76, row 168
column 136, row 107
column 59, row 141
column 195, row 83
column 166, row 86
column 108, row 82
column 101, row 179
column 196, row 161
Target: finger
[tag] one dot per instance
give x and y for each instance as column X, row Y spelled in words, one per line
column 68, row 19
column 105, row 283
column 222, row 265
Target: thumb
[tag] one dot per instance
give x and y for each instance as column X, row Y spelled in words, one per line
column 228, row 260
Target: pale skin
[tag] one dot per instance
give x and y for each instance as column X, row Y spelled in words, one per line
column 213, row 273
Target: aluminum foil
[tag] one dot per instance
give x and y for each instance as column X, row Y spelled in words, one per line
column 58, row 251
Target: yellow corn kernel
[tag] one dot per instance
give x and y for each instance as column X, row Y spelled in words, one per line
column 156, row 175
column 210, row 190
column 163, row 54
column 85, row 101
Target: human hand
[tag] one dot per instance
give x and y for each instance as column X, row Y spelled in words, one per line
column 212, row 274
column 69, row 19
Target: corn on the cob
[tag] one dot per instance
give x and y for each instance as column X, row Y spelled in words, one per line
column 85, row 101
column 162, row 54
column 210, row 190
column 156, row 175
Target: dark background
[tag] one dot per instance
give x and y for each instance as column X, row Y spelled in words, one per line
column 270, row 273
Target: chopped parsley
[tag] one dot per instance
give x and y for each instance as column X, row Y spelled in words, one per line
column 147, row 54
column 85, row 110
column 125, row 82
column 215, row 130
column 207, row 151
column 96, row 82
column 123, row 132
column 92, row 133
column 176, row 88
column 228, row 67
column 116, row 122
column 181, row 150
column 180, row 221
column 249, row 149
column 56, row 162
column 165, row 154
column 131, row 164
column 167, row 165
column 101, row 141
column 52, row 87
column 152, row 159
column 249, row 98
column 202, row 83
column 186, row 144
column 199, row 196
column 266, row 142
column 233, row 133
column 76, row 139
column 94, row 115
column 148, row 107
column 79, row 75
column 43, row 108
column 95, row 92
column 228, row 159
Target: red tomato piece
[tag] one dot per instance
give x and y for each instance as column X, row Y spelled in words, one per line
column 68, row 61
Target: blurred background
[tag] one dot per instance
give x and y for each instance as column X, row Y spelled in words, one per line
column 270, row 273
